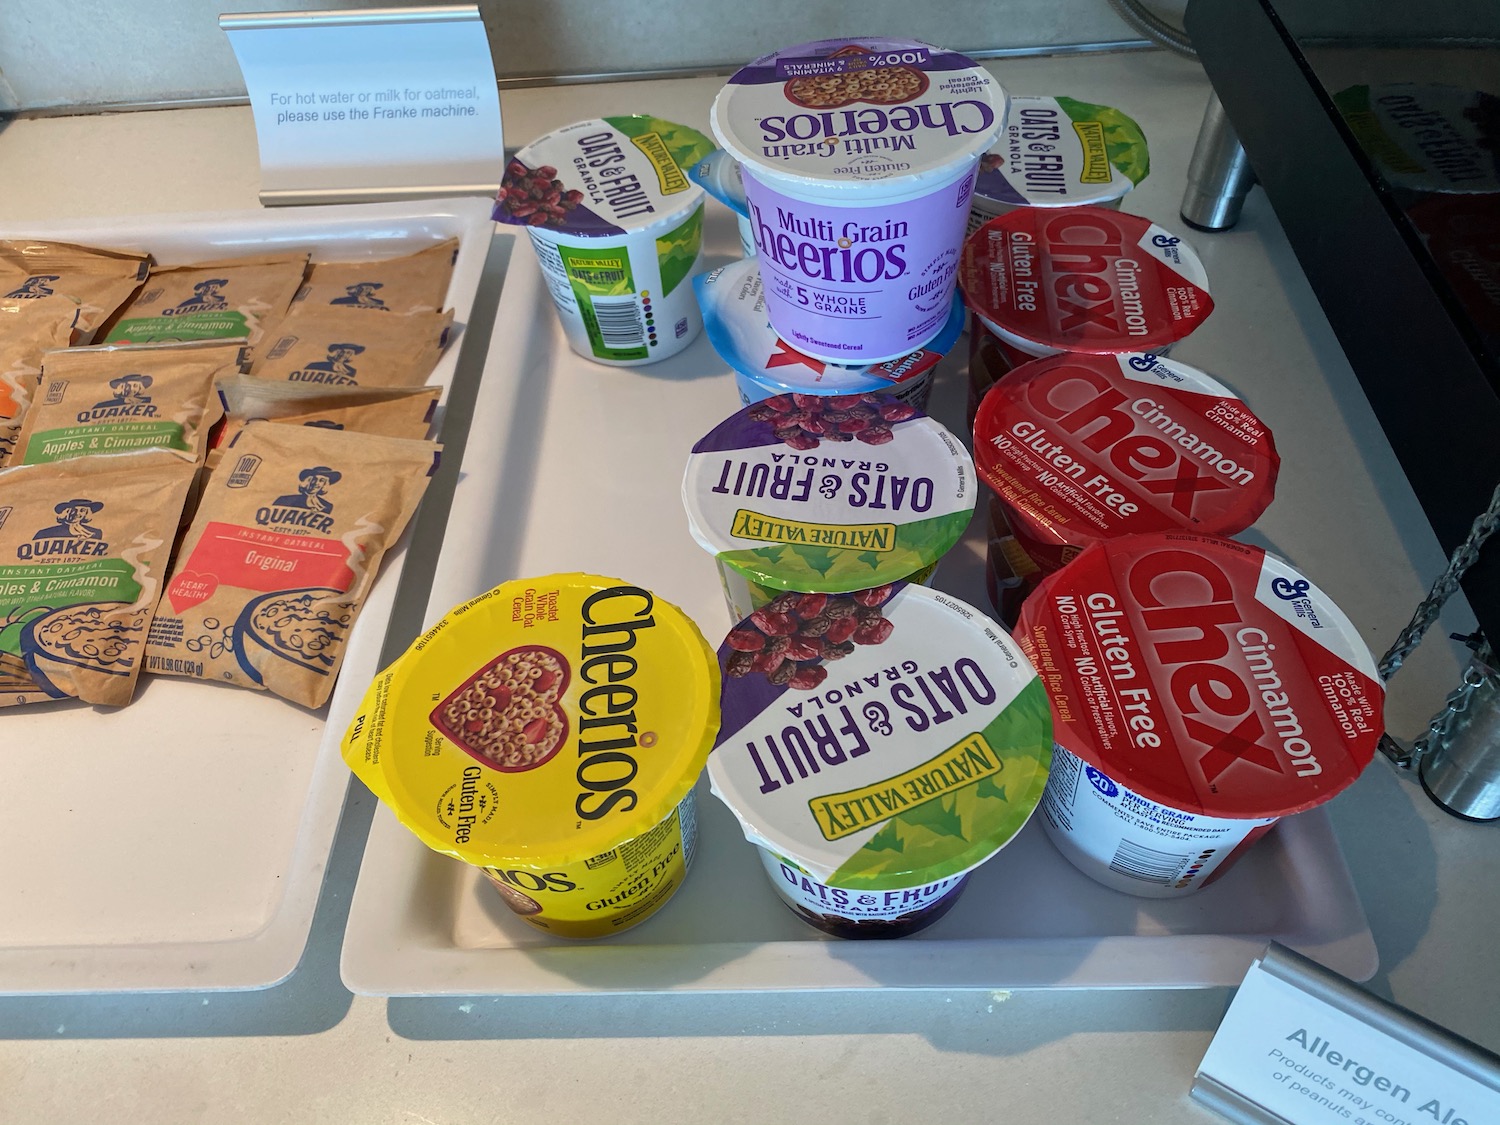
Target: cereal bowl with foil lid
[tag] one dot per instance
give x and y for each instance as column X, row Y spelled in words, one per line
column 1202, row 689
column 877, row 747
column 550, row 732
column 826, row 494
column 1083, row 279
column 858, row 158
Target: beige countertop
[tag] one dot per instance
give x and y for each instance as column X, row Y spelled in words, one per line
column 307, row 1050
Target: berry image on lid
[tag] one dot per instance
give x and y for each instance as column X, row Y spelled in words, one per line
column 602, row 177
column 1083, row 279
column 920, row 751
column 1204, row 674
column 1060, row 152
column 1083, row 447
column 828, row 493
column 843, row 111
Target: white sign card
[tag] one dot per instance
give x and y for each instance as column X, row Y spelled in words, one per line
column 1303, row 1046
column 381, row 103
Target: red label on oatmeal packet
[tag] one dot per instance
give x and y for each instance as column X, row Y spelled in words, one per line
column 229, row 555
column 1083, row 279
column 1083, row 447
column 1205, row 675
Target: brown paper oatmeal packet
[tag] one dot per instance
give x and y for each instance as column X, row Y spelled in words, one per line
column 411, row 283
column 286, row 544
column 120, row 400
column 342, row 349
column 83, row 552
column 20, row 373
column 50, row 281
column 404, row 412
column 221, row 300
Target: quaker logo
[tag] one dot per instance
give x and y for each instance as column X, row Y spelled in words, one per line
column 34, row 287
column 73, row 534
column 1100, row 782
column 130, row 400
column 308, row 507
column 361, row 295
column 335, row 369
column 206, row 298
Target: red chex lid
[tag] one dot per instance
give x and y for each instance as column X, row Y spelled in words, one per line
column 1083, row 279
column 1086, row 447
column 1205, row 675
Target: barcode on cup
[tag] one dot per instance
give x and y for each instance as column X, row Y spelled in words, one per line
column 1147, row 864
column 619, row 322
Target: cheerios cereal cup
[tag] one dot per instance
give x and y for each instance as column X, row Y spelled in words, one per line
column 550, row 732
column 858, row 158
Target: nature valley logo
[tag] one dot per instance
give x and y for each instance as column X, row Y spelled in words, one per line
column 72, row 536
column 34, row 287
column 130, row 401
column 361, row 295
column 335, row 369
column 206, row 298
column 308, row 507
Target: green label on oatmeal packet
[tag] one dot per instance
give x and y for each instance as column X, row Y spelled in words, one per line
column 221, row 325
column 118, row 437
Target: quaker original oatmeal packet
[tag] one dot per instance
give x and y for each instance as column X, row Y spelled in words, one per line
column 229, row 299
column 404, row 412
column 337, row 348
column 415, row 282
column 119, row 400
column 20, row 372
column 49, row 281
column 83, row 553
column 285, row 545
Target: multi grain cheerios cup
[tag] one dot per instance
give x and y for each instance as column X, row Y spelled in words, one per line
column 617, row 226
column 826, row 494
column 550, row 732
column 858, row 158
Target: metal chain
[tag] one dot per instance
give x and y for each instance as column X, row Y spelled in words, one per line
column 1461, row 560
column 1426, row 613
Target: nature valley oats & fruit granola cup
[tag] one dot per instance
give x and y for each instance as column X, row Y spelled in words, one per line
column 877, row 747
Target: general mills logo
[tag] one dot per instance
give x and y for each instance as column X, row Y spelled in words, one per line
column 1100, row 782
column 1143, row 362
column 1164, row 240
column 1288, row 590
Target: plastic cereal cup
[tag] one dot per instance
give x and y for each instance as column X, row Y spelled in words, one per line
column 1083, row 279
column 1060, row 152
column 826, row 494
column 858, row 158
column 877, row 747
column 765, row 365
column 550, row 732
column 718, row 173
column 1081, row 447
column 1202, row 689
column 617, row 226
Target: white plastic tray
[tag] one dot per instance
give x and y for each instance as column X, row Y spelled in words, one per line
column 584, row 473
column 180, row 842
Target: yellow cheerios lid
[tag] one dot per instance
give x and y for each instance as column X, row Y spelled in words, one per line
column 543, row 722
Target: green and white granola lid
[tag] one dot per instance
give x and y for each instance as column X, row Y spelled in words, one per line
column 923, row 755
